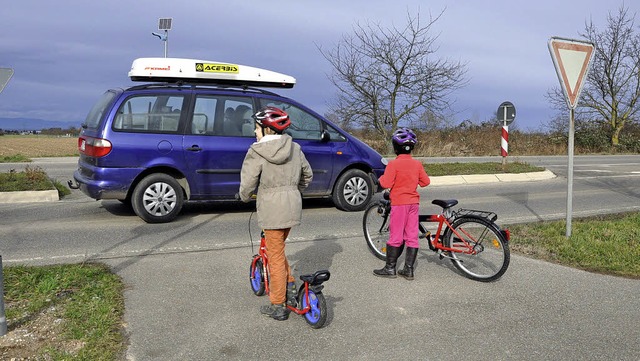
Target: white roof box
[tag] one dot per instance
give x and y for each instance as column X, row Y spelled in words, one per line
column 207, row 72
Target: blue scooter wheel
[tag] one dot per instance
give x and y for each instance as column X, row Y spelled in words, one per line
column 317, row 315
column 256, row 275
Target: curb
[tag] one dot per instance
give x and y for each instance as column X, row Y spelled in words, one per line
column 491, row 178
column 29, row 196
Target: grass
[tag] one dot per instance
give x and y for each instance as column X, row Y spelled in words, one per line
column 17, row 158
column 31, row 179
column 86, row 299
column 607, row 244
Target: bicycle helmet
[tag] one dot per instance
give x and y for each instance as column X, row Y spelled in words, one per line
column 404, row 139
column 274, row 118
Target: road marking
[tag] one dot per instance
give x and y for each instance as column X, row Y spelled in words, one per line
column 85, row 257
column 610, row 176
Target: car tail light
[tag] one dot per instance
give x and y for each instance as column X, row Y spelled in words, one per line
column 94, row 147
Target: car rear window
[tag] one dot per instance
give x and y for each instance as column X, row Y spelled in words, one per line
column 95, row 115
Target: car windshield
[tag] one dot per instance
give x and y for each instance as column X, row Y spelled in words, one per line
column 93, row 118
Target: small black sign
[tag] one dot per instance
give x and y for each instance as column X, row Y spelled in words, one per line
column 506, row 112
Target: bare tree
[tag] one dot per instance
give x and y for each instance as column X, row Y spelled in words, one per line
column 612, row 87
column 385, row 76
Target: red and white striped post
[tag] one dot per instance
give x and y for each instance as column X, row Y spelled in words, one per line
column 504, row 144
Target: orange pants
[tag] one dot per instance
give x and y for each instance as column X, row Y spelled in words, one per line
column 279, row 270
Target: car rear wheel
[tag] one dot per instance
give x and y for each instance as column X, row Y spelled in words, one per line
column 158, row 198
column 353, row 191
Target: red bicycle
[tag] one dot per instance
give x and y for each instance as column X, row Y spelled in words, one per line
column 470, row 239
column 310, row 301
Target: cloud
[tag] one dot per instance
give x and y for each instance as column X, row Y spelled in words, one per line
column 65, row 54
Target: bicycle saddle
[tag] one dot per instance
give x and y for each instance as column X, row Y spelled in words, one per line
column 316, row 278
column 445, row 203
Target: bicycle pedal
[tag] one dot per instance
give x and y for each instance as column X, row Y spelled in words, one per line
column 442, row 255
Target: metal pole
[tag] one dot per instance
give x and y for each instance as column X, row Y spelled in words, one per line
column 570, row 173
column 504, row 144
column 3, row 319
column 166, row 42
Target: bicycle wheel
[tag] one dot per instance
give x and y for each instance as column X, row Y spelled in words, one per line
column 317, row 315
column 256, row 277
column 484, row 254
column 375, row 224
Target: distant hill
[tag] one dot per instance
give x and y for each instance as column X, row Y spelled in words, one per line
column 35, row 124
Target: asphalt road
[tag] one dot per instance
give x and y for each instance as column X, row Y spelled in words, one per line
column 188, row 295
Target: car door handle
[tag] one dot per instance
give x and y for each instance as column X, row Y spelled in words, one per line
column 194, row 148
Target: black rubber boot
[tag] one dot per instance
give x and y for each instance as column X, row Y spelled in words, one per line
column 389, row 269
column 409, row 261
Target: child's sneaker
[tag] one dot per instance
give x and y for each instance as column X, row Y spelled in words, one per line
column 277, row 312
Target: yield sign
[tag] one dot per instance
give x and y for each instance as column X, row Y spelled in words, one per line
column 571, row 59
column 5, row 76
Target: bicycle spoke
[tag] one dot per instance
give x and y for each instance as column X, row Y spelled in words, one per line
column 480, row 251
column 376, row 229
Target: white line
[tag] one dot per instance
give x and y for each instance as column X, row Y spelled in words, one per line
column 611, row 176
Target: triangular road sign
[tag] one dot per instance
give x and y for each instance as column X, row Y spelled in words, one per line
column 5, row 75
column 571, row 59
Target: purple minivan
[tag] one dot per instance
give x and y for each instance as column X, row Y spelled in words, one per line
column 159, row 145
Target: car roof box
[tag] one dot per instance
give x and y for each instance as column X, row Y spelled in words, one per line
column 206, row 72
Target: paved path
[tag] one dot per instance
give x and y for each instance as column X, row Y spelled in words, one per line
column 198, row 306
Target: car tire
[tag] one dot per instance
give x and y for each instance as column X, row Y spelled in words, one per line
column 158, row 198
column 353, row 191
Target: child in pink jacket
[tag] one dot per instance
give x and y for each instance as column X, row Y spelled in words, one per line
column 403, row 175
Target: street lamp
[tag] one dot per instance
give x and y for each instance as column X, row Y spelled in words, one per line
column 165, row 25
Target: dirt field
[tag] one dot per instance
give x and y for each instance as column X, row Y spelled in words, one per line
column 34, row 146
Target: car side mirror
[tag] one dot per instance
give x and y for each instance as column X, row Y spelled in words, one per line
column 324, row 136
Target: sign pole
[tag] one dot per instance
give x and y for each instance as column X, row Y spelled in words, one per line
column 505, row 144
column 3, row 318
column 506, row 113
column 571, row 58
column 570, row 172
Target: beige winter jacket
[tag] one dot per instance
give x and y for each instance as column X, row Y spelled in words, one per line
column 280, row 171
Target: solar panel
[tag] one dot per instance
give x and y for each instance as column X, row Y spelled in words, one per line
column 164, row 24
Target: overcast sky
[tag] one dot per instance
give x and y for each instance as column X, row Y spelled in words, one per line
column 67, row 53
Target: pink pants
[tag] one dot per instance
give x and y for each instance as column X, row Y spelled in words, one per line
column 403, row 225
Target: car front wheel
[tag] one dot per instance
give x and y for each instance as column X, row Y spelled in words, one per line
column 158, row 198
column 353, row 191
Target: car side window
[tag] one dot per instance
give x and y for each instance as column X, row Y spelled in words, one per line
column 303, row 124
column 237, row 117
column 203, row 120
column 149, row 114
column 334, row 135
column 222, row 115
